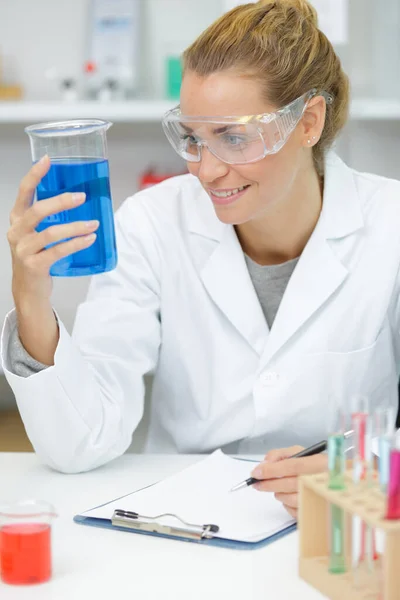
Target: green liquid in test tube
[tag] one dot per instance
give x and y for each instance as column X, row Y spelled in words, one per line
column 336, row 463
column 337, row 558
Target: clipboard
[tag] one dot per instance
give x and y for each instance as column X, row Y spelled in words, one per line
column 169, row 525
column 185, row 532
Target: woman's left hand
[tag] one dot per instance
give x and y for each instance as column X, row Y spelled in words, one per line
column 280, row 474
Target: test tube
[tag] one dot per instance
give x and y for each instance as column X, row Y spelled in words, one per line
column 362, row 426
column 384, row 430
column 336, row 455
column 363, row 539
column 336, row 466
column 393, row 499
column 337, row 554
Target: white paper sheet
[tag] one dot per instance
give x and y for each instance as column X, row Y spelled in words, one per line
column 200, row 494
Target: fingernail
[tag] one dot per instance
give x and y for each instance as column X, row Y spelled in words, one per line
column 92, row 224
column 78, row 197
column 90, row 237
column 257, row 473
column 43, row 159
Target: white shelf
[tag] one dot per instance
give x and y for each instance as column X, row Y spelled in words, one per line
column 137, row 111
column 134, row 111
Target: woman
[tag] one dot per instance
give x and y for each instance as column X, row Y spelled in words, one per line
column 261, row 289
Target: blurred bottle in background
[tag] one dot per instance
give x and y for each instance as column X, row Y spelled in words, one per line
column 9, row 88
column 67, row 85
column 173, row 51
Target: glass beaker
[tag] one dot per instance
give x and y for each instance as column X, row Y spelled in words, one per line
column 25, row 542
column 79, row 163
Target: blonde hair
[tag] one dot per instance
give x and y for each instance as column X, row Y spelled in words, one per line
column 279, row 44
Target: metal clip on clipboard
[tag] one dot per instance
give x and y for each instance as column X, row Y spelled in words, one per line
column 132, row 520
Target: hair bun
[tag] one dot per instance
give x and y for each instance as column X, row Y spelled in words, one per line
column 302, row 6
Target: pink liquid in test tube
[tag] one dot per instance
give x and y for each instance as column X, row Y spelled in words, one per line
column 393, row 511
column 361, row 421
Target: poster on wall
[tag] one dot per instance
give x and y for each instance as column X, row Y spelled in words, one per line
column 112, row 39
column 332, row 17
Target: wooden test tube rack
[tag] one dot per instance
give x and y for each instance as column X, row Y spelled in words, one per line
column 365, row 501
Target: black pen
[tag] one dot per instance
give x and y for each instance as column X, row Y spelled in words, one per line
column 310, row 451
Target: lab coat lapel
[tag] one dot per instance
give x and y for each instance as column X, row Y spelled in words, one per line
column 317, row 275
column 226, row 277
column 223, row 271
column 320, row 270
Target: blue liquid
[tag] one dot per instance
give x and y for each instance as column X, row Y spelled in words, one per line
column 92, row 177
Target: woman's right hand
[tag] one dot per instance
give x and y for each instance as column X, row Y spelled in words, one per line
column 31, row 260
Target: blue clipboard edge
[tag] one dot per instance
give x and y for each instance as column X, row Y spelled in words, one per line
column 221, row 542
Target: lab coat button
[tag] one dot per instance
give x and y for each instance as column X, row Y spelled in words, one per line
column 269, row 378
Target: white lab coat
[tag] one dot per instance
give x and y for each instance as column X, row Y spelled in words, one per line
column 181, row 304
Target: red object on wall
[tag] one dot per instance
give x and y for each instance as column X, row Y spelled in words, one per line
column 151, row 177
column 90, row 67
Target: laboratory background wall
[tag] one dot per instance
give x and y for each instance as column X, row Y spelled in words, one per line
column 37, row 36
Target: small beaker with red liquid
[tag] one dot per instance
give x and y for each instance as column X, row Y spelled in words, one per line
column 25, row 542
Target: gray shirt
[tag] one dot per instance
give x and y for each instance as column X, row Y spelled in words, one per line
column 269, row 282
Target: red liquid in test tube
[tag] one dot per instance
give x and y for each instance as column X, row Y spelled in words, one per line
column 360, row 420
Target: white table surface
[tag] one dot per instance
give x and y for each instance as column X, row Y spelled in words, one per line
column 91, row 563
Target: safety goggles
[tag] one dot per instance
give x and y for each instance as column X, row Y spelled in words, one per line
column 235, row 140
